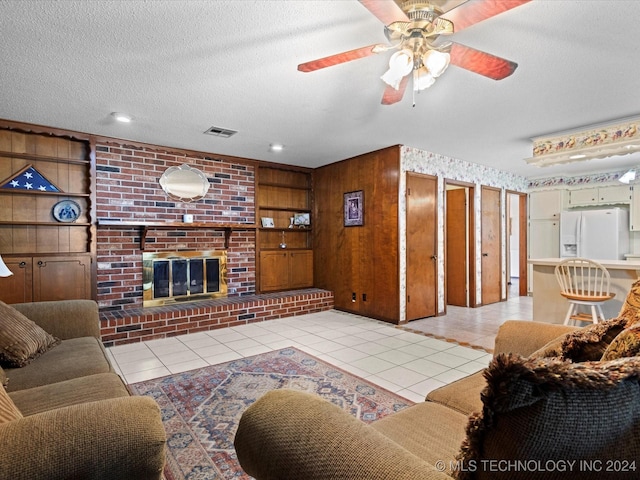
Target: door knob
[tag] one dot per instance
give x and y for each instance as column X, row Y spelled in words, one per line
column 485, row 254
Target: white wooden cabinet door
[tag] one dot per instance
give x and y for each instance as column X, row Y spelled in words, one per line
column 583, row 196
column 544, row 242
column 545, row 205
column 614, row 195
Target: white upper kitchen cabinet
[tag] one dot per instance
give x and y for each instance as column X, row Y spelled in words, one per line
column 613, row 195
column 545, row 205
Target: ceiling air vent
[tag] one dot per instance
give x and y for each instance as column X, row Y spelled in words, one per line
column 220, row 132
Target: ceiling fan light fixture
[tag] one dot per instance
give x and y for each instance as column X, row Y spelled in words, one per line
column 401, row 62
column 392, row 78
column 422, row 79
column 400, row 65
column 436, row 62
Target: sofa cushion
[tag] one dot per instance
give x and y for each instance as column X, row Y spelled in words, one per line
column 542, row 412
column 21, row 340
column 70, row 392
column 73, row 358
column 3, row 378
column 589, row 343
column 429, row 430
column 626, row 344
column 462, row 395
column 8, row 410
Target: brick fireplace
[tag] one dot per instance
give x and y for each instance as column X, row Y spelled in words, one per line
column 128, row 190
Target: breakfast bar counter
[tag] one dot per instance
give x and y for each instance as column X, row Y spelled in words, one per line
column 549, row 306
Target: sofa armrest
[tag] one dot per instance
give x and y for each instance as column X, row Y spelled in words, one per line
column 525, row 337
column 116, row 438
column 64, row 319
column 289, row 434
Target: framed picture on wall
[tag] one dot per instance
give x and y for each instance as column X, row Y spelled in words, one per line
column 354, row 209
column 267, row 222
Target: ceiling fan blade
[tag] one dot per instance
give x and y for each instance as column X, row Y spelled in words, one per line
column 339, row 58
column 481, row 62
column 391, row 95
column 387, row 11
column 474, row 11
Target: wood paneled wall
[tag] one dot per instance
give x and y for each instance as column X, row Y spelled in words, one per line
column 359, row 263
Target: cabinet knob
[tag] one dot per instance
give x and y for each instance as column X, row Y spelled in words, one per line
column 40, row 263
column 22, row 264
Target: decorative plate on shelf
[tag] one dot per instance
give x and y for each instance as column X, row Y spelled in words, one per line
column 66, row 211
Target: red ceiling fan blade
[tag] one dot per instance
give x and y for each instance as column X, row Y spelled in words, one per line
column 474, row 11
column 338, row 58
column 481, row 62
column 391, row 95
column 387, row 11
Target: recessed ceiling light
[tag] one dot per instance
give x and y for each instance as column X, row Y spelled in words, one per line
column 575, row 157
column 122, row 117
column 276, row 147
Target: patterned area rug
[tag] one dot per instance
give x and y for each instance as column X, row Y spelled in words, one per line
column 201, row 408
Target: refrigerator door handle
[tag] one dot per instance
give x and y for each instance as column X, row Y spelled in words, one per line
column 580, row 230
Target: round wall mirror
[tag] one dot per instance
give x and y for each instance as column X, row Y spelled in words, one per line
column 184, row 183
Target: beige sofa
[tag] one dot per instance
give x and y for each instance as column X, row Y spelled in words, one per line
column 293, row 435
column 78, row 418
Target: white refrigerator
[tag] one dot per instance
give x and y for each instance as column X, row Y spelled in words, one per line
column 601, row 234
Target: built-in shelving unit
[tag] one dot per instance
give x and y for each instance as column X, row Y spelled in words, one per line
column 285, row 254
column 50, row 259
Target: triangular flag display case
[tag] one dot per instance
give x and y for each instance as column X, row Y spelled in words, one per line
column 46, row 228
column 29, row 179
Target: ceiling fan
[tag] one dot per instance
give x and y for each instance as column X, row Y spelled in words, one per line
column 417, row 29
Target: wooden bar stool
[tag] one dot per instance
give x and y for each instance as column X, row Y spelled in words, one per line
column 583, row 282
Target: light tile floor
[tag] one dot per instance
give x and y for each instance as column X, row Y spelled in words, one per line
column 404, row 362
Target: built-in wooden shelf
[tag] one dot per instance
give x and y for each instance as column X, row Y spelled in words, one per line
column 284, row 185
column 286, row 209
column 54, row 224
column 49, row 194
column 44, row 158
column 285, row 229
column 146, row 226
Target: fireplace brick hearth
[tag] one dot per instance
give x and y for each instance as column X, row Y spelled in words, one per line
column 135, row 325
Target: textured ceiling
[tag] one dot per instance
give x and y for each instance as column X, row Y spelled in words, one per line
column 180, row 67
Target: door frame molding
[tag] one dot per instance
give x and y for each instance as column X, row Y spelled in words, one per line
column 471, row 260
column 523, row 271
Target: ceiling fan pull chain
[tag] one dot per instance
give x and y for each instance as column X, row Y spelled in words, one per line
column 413, row 80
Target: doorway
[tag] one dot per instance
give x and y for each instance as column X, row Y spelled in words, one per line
column 516, row 271
column 459, row 244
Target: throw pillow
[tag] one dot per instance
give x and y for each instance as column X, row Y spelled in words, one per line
column 626, row 344
column 551, row 349
column 21, row 340
column 590, row 342
column 8, row 410
column 631, row 306
column 551, row 419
